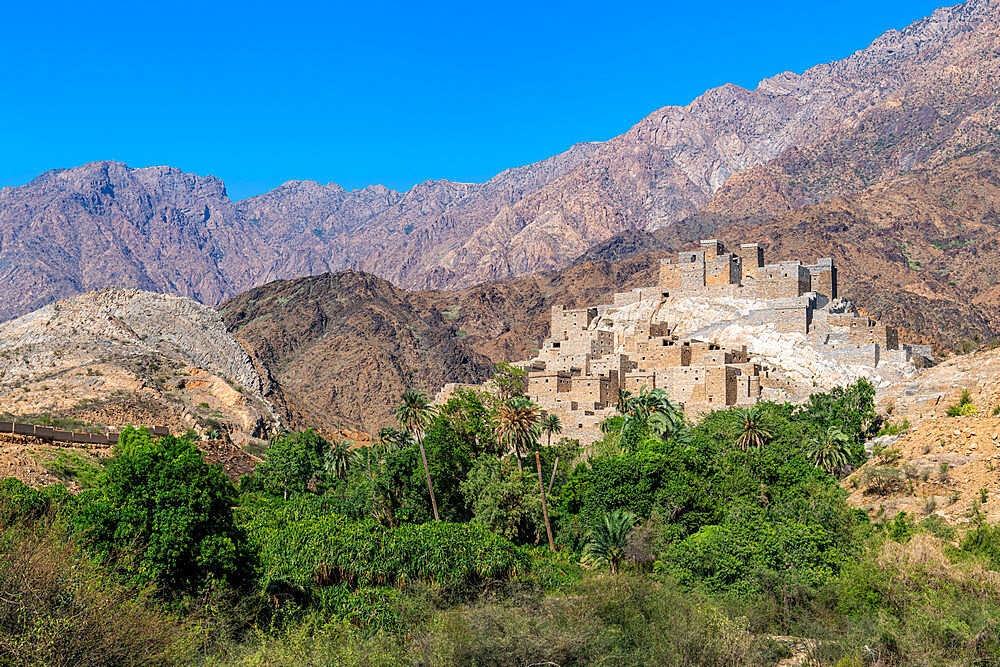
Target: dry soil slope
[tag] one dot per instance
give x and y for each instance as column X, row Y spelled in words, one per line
column 123, row 356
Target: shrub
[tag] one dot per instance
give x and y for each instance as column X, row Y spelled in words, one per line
column 60, row 607
column 300, row 543
column 964, row 407
column 753, row 555
column 164, row 514
column 883, row 481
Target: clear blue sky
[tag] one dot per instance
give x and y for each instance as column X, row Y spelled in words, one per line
column 261, row 93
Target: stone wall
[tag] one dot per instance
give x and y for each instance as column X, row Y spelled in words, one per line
column 563, row 320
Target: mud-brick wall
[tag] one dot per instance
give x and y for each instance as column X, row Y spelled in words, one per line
column 564, row 320
column 794, row 319
column 863, row 354
column 637, row 380
column 547, row 385
column 590, row 389
column 823, row 278
column 661, row 353
column 670, row 275
column 720, row 385
column 752, row 260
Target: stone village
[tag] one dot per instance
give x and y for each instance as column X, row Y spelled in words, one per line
column 586, row 360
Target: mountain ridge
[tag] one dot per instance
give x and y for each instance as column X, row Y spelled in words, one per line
column 731, row 154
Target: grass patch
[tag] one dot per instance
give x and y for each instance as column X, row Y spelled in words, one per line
column 72, row 467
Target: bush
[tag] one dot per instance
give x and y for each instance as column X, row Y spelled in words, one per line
column 163, row 514
column 964, row 407
column 299, row 543
column 883, row 481
column 753, row 555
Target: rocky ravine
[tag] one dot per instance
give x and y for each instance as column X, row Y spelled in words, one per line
column 74, row 230
column 122, row 356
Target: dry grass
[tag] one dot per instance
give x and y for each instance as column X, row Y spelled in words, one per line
column 58, row 607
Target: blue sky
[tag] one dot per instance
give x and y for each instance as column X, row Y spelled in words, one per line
column 393, row 93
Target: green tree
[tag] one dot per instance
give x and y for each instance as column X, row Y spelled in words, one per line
column 164, row 514
column 414, row 413
column 753, row 434
column 293, row 459
column 551, row 424
column 509, row 380
column 608, row 539
column 831, row 452
column 473, row 419
column 504, row 499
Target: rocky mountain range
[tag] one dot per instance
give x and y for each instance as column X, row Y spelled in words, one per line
column 915, row 99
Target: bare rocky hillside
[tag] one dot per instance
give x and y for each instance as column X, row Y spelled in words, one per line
column 122, row 356
column 914, row 99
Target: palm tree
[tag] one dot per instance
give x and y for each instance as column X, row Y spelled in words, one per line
column 392, row 440
column 337, row 460
column 753, row 433
column 517, row 424
column 608, row 539
column 622, row 406
column 551, row 424
column 669, row 425
column 653, row 408
column 831, row 452
column 414, row 413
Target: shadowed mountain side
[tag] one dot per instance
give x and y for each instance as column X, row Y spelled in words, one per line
column 345, row 345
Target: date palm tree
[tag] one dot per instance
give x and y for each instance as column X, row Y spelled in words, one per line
column 622, row 406
column 551, row 424
column 517, row 424
column 607, row 541
column 752, row 431
column 414, row 413
column 831, row 452
column 337, row 459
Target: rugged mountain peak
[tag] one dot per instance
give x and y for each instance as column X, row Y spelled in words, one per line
column 912, row 99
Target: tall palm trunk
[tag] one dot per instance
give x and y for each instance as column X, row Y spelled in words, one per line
column 427, row 474
column 553, row 480
column 545, row 509
column 517, row 455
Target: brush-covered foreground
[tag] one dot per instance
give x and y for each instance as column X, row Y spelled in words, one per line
column 711, row 544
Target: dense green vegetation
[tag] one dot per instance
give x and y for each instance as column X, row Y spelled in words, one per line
column 468, row 536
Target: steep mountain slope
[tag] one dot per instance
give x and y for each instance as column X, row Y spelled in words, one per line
column 345, row 346
column 74, row 230
column 914, row 98
column 123, row 356
column 950, row 107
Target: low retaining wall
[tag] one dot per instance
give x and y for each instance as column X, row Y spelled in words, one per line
column 56, row 435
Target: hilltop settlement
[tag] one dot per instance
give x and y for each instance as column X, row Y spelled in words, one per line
column 642, row 340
